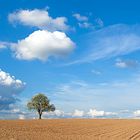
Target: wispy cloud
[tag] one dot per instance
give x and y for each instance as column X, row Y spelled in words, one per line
column 109, row 42
column 99, row 22
column 103, row 96
column 96, row 72
column 126, row 63
column 4, row 44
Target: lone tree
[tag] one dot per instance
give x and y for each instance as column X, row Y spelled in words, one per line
column 40, row 103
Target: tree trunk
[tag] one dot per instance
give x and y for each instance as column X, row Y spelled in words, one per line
column 40, row 114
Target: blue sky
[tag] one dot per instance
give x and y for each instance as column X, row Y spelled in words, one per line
column 84, row 55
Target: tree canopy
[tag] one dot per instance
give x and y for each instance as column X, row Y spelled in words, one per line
column 40, row 103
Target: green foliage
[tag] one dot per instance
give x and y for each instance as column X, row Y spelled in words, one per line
column 40, row 103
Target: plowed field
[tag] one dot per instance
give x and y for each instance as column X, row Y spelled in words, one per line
column 70, row 129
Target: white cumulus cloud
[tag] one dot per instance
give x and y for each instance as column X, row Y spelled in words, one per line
column 80, row 17
column 85, row 22
column 96, row 113
column 22, row 117
column 56, row 113
column 136, row 113
column 38, row 18
column 9, row 89
column 85, row 25
column 42, row 44
column 78, row 113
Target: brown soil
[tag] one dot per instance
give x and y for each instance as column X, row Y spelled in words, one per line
column 70, row 129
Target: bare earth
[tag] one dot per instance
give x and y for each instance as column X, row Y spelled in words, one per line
column 70, row 129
